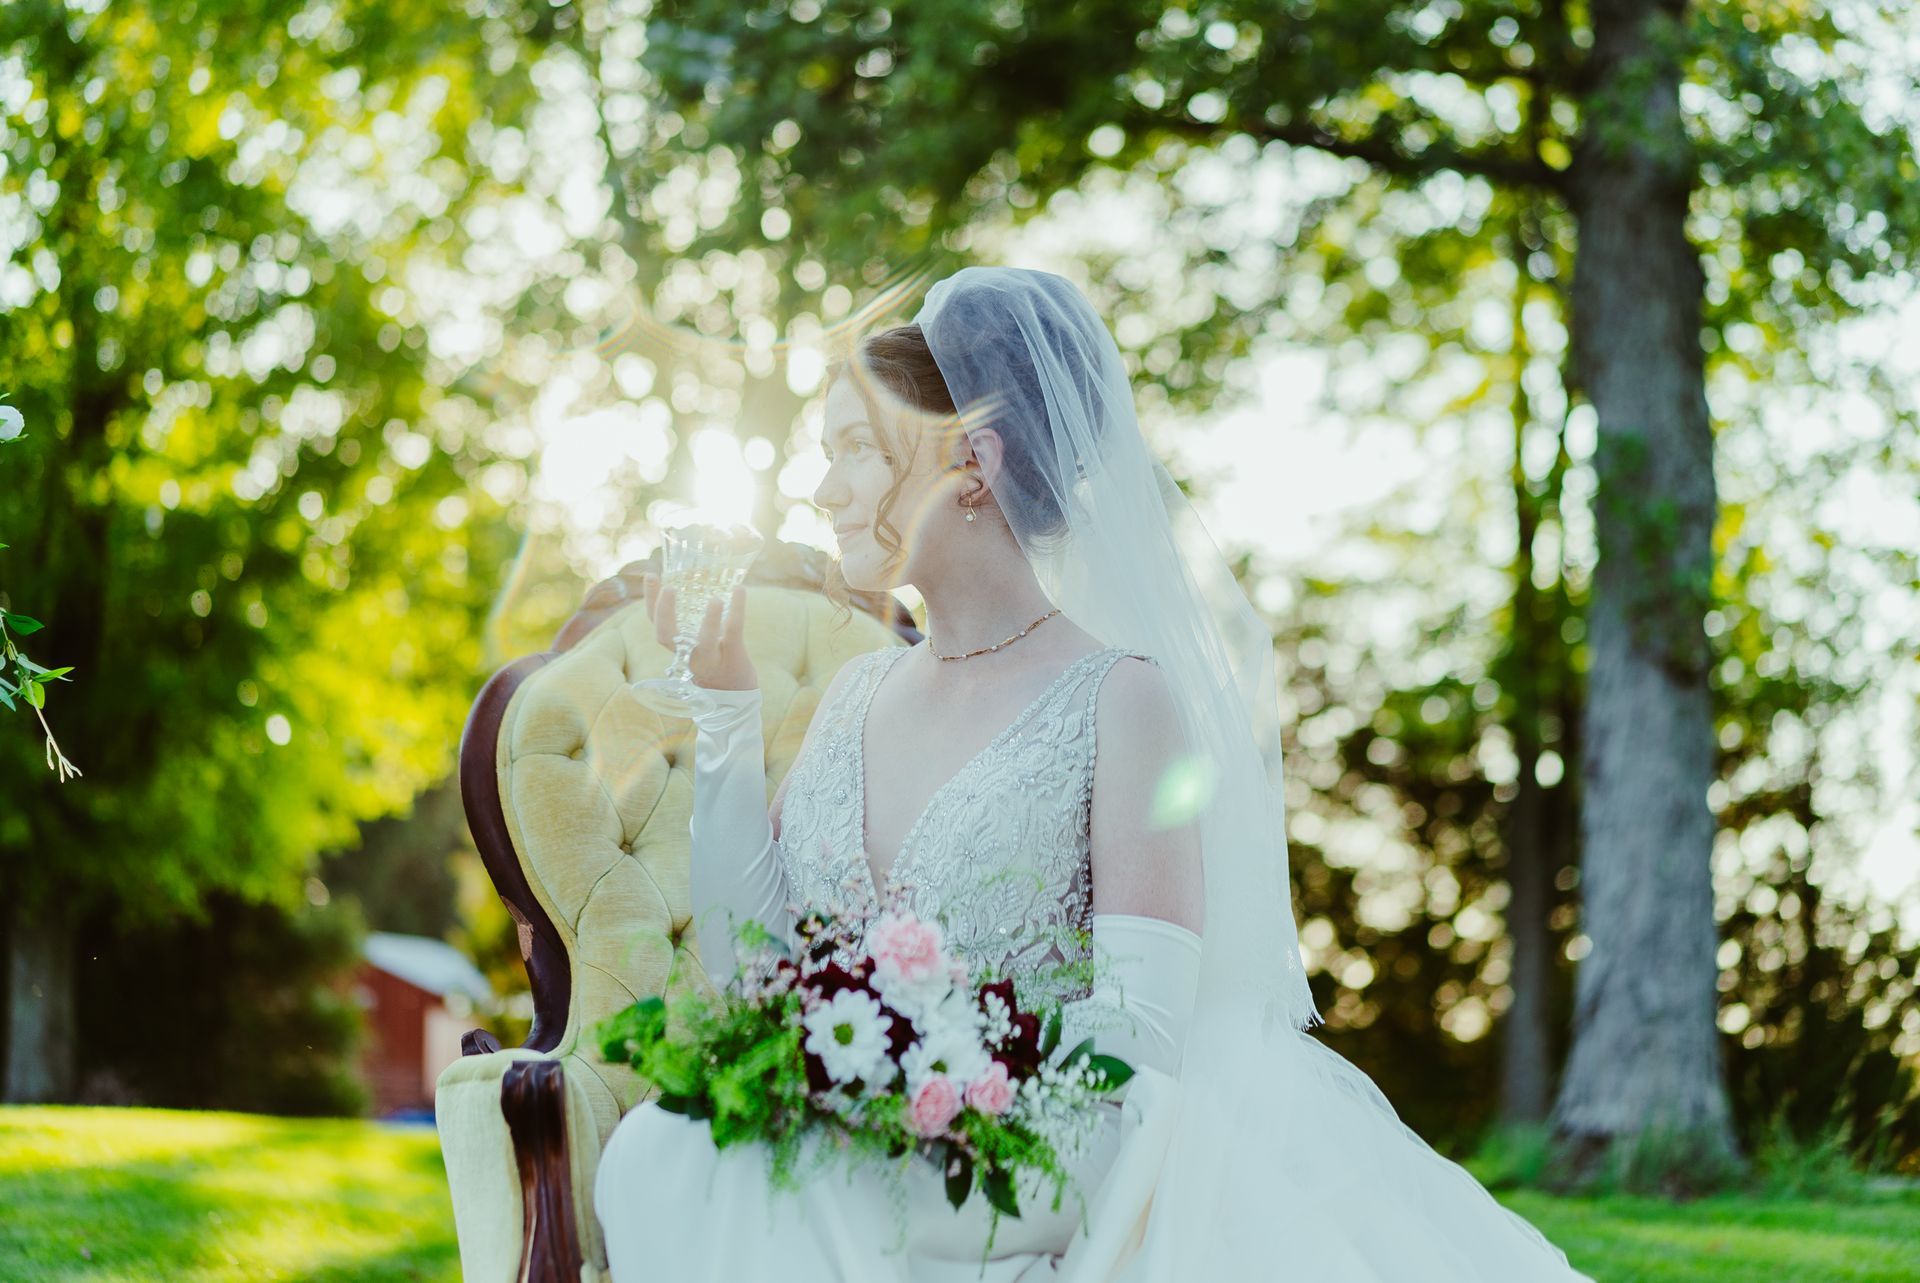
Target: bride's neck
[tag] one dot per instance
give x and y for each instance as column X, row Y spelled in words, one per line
column 980, row 611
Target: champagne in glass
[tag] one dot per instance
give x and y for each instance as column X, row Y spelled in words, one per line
column 699, row 561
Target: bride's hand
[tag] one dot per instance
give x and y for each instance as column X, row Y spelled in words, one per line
column 719, row 659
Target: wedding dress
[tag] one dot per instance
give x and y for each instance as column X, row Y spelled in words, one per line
column 1328, row 1186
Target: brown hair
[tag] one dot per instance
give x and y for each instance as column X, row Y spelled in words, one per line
column 899, row 360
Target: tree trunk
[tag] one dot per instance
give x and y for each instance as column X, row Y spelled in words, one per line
column 1525, row 1055
column 1645, row 1058
column 40, row 1014
column 1526, row 1063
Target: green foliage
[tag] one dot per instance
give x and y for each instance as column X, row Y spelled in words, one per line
column 1668, row 1162
column 738, row 1063
column 1787, row 1166
column 1512, row 1156
column 29, row 681
column 251, row 519
column 1811, row 994
column 250, row 1010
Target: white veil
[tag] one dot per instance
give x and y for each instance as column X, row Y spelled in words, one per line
column 1118, row 548
column 1286, row 1160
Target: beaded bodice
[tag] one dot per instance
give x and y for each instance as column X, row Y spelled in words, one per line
column 1000, row 854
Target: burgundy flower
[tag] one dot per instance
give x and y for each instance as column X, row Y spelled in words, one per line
column 834, row 978
column 1020, row 1053
column 900, row 1036
column 1001, row 989
column 818, row 1079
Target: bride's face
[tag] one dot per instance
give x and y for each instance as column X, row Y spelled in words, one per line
column 888, row 484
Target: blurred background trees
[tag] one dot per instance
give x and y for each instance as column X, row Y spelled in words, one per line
column 355, row 340
column 1605, row 211
column 250, row 514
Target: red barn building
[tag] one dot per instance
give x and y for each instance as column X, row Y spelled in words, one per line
column 420, row 995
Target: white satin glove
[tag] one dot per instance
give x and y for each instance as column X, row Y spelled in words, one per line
column 1147, row 971
column 737, row 871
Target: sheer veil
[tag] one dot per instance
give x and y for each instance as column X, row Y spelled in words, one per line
column 1284, row 1151
column 1120, row 550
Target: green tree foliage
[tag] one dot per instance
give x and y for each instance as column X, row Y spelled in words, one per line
column 247, row 518
column 250, row 1008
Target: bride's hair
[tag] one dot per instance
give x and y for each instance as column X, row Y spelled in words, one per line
column 899, row 360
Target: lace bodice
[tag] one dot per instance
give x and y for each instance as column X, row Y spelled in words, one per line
column 999, row 856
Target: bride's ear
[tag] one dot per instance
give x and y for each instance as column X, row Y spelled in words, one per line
column 987, row 448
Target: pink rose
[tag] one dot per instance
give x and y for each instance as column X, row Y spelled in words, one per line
column 991, row 1092
column 906, row 949
column 934, row 1106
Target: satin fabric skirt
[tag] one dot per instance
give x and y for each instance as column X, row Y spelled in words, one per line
column 1293, row 1168
column 672, row 1206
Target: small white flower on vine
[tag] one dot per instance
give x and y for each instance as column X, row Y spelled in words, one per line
column 11, row 423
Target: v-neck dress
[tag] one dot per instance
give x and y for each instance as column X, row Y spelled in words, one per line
column 999, row 855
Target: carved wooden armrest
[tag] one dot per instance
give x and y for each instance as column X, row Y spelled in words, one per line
column 533, row 1098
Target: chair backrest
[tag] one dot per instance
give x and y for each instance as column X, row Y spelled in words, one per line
column 593, row 792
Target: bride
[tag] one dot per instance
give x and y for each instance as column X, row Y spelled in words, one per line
column 1129, row 794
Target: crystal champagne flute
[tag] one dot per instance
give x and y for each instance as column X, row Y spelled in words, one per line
column 699, row 561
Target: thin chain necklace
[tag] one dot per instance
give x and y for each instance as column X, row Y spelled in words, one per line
column 997, row 645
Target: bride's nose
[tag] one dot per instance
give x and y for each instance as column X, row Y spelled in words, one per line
column 830, row 495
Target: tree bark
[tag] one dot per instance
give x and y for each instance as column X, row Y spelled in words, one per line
column 1645, row 1055
column 1526, row 1055
column 1525, row 1043
column 40, row 1011
column 1526, row 1066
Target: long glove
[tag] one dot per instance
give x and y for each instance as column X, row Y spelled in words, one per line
column 737, row 870
column 1146, row 973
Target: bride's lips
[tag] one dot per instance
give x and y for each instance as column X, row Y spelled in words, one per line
column 845, row 532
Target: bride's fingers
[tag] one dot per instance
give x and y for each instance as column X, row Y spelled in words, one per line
column 664, row 616
column 710, row 626
column 733, row 635
column 649, row 588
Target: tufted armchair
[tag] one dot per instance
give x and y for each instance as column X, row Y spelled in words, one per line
column 578, row 799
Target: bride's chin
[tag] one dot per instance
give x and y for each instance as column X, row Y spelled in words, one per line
column 861, row 577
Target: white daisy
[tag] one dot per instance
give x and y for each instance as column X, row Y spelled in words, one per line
column 849, row 1034
column 951, row 1048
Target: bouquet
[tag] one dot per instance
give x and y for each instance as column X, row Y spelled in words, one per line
column 898, row 1052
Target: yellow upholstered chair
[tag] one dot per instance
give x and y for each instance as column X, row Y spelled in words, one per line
column 578, row 798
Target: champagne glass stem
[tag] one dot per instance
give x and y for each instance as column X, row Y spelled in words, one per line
column 686, row 632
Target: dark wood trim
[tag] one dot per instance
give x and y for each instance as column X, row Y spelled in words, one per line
column 540, row 947
column 533, row 1098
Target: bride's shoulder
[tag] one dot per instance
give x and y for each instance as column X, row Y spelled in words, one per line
column 1135, row 685
column 1136, row 719
column 844, row 676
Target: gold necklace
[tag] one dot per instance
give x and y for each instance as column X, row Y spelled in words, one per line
column 997, row 645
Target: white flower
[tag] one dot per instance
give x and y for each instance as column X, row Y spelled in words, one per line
column 849, row 1034
column 11, row 423
column 948, row 1047
column 996, row 1022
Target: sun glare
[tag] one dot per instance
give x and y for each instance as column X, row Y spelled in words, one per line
column 724, row 483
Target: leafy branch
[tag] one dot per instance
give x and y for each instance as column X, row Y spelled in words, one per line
column 29, row 680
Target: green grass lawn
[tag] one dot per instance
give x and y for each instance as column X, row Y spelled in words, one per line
column 151, row 1194
column 192, row 1197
